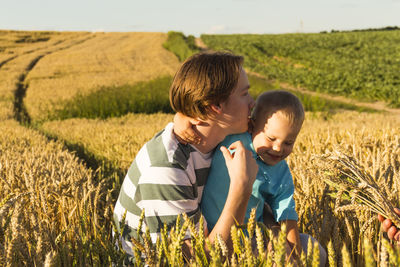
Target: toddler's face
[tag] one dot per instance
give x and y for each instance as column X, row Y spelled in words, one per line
column 274, row 140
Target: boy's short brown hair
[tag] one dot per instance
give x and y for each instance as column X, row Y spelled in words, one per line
column 204, row 79
column 278, row 100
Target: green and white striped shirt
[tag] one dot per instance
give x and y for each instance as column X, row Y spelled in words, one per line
column 165, row 179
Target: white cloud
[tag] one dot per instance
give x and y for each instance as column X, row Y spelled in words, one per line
column 224, row 29
column 217, row 29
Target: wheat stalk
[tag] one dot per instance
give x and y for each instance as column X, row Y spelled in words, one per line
column 360, row 185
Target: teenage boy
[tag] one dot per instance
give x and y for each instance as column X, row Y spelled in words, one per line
column 167, row 177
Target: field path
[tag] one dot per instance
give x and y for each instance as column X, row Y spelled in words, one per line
column 378, row 105
column 199, row 43
column 20, row 112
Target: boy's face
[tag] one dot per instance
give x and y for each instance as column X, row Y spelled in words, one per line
column 274, row 140
column 237, row 109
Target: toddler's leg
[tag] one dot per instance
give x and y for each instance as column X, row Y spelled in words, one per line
column 322, row 252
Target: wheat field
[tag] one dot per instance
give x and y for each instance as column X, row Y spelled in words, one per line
column 106, row 59
column 116, row 140
column 372, row 139
column 19, row 57
column 56, row 207
column 49, row 183
column 51, row 204
column 54, row 67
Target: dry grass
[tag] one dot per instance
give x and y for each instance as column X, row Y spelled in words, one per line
column 108, row 59
column 6, row 109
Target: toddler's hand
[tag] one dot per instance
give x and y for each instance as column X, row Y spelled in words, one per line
column 183, row 128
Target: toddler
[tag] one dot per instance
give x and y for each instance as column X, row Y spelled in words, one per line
column 276, row 121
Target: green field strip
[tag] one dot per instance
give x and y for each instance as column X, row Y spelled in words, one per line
column 153, row 96
column 359, row 65
column 143, row 97
column 182, row 46
column 311, row 102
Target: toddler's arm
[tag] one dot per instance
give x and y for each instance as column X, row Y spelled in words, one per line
column 293, row 236
column 183, row 127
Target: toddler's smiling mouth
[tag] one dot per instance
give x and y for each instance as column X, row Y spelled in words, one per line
column 275, row 157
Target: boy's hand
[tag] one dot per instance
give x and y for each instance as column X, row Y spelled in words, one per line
column 183, row 128
column 387, row 226
column 242, row 167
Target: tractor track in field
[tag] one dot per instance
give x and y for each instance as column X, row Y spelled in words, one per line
column 22, row 116
column 20, row 112
column 8, row 60
column 377, row 105
column 27, row 52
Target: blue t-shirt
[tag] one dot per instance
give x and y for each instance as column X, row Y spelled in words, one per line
column 273, row 185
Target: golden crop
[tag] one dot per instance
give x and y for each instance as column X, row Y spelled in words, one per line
column 66, row 64
column 117, row 139
column 46, row 195
column 49, row 183
column 372, row 139
column 19, row 52
column 106, row 59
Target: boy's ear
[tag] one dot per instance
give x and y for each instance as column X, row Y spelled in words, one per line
column 216, row 108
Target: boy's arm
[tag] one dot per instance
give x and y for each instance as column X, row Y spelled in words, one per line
column 183, row 128
column 242, row 169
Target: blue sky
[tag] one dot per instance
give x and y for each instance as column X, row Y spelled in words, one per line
column 196, row 17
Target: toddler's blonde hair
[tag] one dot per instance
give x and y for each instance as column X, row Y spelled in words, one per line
column 273, row 101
